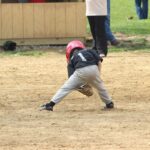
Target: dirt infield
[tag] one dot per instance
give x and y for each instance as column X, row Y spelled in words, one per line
column 77, row 122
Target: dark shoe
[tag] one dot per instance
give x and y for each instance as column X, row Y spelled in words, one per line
column 114, row 42
column 110, row 105
column 47, row 106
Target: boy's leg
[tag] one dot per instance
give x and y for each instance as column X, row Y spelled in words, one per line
column 71, row 84
column 99, row 85
column 90, row 75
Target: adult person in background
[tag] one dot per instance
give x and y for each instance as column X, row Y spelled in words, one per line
column 109, row 35
column 142, row 8
column 96, row 12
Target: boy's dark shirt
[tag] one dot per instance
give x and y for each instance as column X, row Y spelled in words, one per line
column 82, row 58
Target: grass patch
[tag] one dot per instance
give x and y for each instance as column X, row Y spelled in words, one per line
column 120, row 12
column 124, row 21
column 23, row 53
column 135, row 44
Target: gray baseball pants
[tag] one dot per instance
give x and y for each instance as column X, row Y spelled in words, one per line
column 86, row 75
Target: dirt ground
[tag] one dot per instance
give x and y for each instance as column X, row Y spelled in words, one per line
column 77, row 122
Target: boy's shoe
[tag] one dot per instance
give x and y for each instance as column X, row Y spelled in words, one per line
column 47, row 106
column 110, row 105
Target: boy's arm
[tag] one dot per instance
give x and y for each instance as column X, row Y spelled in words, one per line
column 70, row 69
column 99, row 65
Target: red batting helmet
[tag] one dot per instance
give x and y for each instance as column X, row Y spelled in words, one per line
column 71, row 46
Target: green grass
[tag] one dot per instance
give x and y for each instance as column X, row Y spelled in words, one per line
column 23, row 53
column 121, row 10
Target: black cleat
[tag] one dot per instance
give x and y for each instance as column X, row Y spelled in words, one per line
column 47, row 106
column 110, row 105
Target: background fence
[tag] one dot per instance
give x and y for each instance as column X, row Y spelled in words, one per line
column 42, row 20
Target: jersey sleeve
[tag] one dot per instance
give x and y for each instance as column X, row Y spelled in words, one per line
column 70, row 69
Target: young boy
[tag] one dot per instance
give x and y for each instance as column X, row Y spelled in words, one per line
column 83, row 69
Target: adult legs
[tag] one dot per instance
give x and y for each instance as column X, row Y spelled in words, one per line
column 109, row 35
column 101, row 41
column 139, row 10
column 92, row 28
column 97, row 26
column 145, row 9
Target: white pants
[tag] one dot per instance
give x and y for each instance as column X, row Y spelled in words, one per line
column 89, row 75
